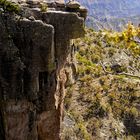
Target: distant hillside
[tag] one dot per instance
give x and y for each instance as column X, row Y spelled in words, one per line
column 112, row 14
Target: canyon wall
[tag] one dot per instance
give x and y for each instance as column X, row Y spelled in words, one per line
column 35, row 60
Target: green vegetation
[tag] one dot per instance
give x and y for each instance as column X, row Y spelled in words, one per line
column 43, row 7
column 9, row 6
column 108, row 84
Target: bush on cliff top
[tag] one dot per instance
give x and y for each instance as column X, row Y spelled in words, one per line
column 8, row 6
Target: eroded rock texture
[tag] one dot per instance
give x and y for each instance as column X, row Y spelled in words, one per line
column 35, row 55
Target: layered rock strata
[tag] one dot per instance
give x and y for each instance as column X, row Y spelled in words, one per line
column 35, row 53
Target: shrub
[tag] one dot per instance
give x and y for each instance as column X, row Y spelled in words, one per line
column 111, row 52
column 83, row 130
column 9, row 6
column 43, row 7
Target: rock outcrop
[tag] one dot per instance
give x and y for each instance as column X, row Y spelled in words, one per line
column 35, row 51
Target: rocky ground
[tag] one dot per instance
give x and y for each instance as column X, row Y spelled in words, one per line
column 103, row 104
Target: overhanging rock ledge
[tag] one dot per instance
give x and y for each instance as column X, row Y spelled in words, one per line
column 35, row 57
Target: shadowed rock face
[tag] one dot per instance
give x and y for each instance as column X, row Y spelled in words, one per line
column 33, row 56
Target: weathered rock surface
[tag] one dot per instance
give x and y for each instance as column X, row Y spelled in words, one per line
column 60, row 3
column 73, row 4
column 34, row 51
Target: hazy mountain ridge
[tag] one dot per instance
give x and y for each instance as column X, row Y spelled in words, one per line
column 107, row 12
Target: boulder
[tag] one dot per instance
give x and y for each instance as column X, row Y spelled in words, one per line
column 83, row 11
column 73, row 5
column 33, row 2
column 60, row 3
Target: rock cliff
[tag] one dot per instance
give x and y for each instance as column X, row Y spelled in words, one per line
column 35, row 60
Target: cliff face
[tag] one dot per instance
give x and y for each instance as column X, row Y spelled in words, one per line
column 34, row 54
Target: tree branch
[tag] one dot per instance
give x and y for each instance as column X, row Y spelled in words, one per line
column 122, row 73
